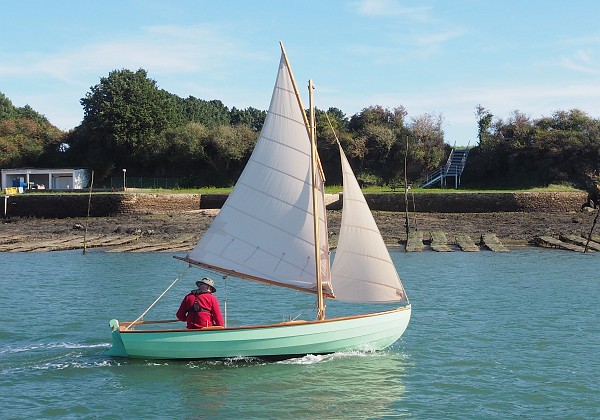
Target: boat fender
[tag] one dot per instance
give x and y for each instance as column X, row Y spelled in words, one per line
column 114, row 325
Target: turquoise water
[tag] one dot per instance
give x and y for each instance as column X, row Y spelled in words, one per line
column 492, row 335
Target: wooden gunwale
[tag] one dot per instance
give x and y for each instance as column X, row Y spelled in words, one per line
column 250, row 327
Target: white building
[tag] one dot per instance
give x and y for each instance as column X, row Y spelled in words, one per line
column 54, row 179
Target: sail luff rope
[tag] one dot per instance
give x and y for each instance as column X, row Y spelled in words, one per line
column 332, row 129
column 299, row 99
column 158, row 298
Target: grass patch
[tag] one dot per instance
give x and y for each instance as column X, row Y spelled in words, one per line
column 387, row 189
column 334, row 189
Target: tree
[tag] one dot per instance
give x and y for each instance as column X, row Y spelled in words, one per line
column 380, row 134
column 24, row 142
column 226, row 151
column 208, row 113
column 426, row 144
column 7, row 109
column 26, row 136
column 484, row 121
column 250, row 117
column 124, row 116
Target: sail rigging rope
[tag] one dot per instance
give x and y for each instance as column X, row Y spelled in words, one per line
column 332, row 129
column 158, row 298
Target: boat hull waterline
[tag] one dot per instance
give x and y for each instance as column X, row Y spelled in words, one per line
column 363, row 333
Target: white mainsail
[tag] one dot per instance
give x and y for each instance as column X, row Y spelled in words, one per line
column 265, row 229
column 362, row 269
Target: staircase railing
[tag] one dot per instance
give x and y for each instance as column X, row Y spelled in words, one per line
column 432, row 177
column 454, row 168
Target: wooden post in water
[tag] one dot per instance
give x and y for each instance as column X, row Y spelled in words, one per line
column 88, row 214
column 591, row 230
column 406, row 195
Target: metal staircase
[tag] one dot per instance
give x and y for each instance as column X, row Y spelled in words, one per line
column 453, row 168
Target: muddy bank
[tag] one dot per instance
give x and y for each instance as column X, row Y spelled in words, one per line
column 180, row 230
column 163, row 222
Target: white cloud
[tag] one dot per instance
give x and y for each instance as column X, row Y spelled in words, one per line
column 391, row 8
column 435, row 39
column 593, row 39
column 165, row 49
column 581, row 61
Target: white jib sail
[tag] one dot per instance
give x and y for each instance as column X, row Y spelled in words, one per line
column 265, row 228
column 362, row 269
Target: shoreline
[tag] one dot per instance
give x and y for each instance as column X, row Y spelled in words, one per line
column 179, row 230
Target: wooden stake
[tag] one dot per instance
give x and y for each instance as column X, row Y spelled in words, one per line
column 406, row 194
column 591, row 230
column 88, row 215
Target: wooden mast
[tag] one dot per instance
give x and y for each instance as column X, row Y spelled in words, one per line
column 316, row 194
column 315, row 163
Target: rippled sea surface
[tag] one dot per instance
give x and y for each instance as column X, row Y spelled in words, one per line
column 492, row 335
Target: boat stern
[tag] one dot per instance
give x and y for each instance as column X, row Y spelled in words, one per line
column 117, row 349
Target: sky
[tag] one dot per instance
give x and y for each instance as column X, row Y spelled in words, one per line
column 437, row 57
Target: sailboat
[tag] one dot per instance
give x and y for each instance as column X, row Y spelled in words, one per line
column 272, row 229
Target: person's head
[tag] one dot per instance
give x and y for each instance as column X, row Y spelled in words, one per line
column 206, row 284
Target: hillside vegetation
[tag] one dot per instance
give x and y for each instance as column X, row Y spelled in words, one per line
column 129, row 122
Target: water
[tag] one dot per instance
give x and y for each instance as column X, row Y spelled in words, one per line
column 492, row 335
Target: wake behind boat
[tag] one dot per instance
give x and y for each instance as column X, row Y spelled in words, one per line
column 273, row 229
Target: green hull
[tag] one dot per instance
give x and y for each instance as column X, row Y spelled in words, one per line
column 365, row 332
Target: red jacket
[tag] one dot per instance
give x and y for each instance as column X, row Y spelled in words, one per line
column 209, row 315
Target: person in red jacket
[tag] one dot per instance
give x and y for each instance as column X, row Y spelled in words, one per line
column 200, row 308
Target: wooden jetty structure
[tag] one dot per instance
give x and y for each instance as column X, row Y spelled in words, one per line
column 491, row 242
column 550, row 242
column 581, row 241
column 466, row 243
column 140, row 242
column 414, row 243
column 439, row 242
column 186, row 243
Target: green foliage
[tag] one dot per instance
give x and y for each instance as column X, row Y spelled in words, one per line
column 26, row 137
column 129, row 122
column 484, row 121
column 250, row 117
column 209, row 113
column 7, row 109
column 426, row 150
column 125, row 113
column 521, row 152
column 379, row 136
